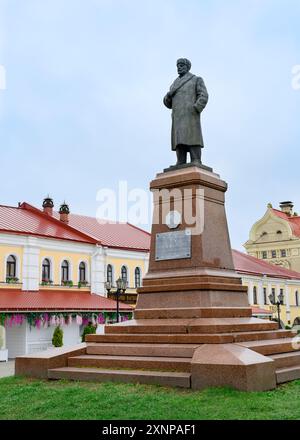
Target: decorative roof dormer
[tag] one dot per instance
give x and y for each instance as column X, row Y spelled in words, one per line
column 64, row 212
column 48, row 205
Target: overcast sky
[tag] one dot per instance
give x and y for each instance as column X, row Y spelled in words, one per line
column 83, row 104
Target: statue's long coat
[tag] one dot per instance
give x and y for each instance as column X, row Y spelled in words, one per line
column 186, row 126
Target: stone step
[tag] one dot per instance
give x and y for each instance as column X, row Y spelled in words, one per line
column 285, row 360
column 188, row 338
column 131, row 362
column 193, row 312
column 174, row 338
column 274, row 346
column 230, row 325
column 287, row 374
column 159, row 350
column 170, row 379
column 262, row 335
column 198, row 325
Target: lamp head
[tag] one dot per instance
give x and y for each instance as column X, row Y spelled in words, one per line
column 108, row 286
column 119, row 283
column 272, row 298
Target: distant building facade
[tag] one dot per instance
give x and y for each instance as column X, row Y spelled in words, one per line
column 53, row 270
column 263, row 279
column 275, row 238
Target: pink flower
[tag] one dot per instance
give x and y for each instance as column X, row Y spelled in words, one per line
column 101, row 319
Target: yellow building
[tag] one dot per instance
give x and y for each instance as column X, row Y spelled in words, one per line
column 54, row 266
column 264, row 279
column 275, row 238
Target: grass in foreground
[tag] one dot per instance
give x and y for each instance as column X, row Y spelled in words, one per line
column 22, row 398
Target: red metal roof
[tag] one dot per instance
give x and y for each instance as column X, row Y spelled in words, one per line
column 294, row 221
column 54, row 300
column 244, row 263
column 28, row 220
column 116, row 235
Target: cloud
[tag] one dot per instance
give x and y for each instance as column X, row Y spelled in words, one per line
column 86, row 81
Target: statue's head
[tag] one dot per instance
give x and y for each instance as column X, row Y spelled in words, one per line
column 183, row 66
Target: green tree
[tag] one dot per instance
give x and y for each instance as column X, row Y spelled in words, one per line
column 57, row 339
column 90, row 329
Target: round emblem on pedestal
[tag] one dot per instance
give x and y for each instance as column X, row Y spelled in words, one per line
column 173, row 219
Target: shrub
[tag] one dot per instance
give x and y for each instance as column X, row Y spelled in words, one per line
column 90, row 329
column 57, row 339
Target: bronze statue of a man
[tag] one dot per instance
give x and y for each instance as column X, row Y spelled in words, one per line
column 187, row 98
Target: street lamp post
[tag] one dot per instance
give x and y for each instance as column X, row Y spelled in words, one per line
column 121, row 287
column 278, row 303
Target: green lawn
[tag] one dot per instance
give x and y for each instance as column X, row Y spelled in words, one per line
column 22, row 398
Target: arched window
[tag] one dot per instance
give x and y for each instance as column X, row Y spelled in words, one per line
column 254, row 295
column 109, row 273
column 11, row 267
column 46, row 266
column 82, row 271
column 65, row 271
column 297, row 298
column 124, row 273
column 137, row 277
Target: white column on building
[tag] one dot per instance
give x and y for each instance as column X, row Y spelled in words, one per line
column 287, row 301
column 260, row 294
column 97, row 272
column 250, row 292
column 31, row 265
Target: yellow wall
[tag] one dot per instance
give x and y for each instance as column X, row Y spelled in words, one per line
column 294, row 310
column 57, row 257
column 5, row 251
column 131, row 264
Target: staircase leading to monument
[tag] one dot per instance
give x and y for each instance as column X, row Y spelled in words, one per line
column 160, row 351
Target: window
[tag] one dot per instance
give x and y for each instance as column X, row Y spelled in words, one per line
column 254, row 295
column 297, row 298
column 264, row 255
column 265, row 296
column 124, row 273
column 11, row 267
column 65, row 271
column 109, row 273
column 137, row 277
column 283, row 253
column 46, row 270
column 82, row 271
column 273, row 254
column 279, row 232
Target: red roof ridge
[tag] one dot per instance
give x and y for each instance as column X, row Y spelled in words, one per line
column 9, row 206
column 139, row 229
column 52, row 219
